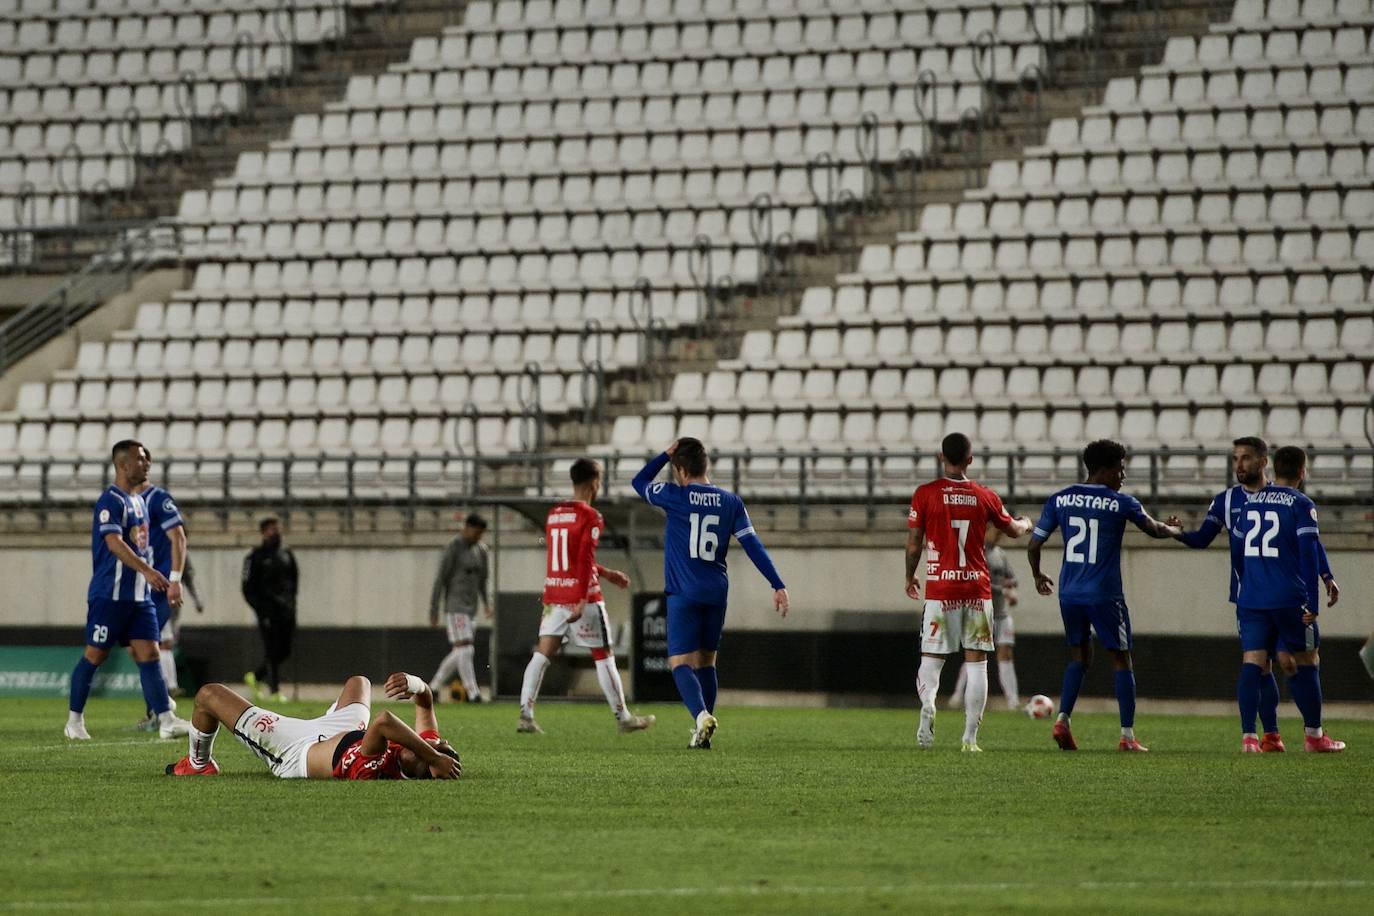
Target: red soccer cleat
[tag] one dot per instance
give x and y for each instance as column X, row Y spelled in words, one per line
column 1250, row 745
column 1323, row 745
column 1130, row 744
column 1271, row 743
column 183, row 768
column 1063, row 737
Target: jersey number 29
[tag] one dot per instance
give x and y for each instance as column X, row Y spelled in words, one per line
column 702, row 542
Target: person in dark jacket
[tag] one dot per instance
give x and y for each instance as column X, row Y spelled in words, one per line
column 270, row 579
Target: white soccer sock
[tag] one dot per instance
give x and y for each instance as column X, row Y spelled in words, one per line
column 529, row 691
column 609, row 676
column 928, row 680
column 975, row 699
column 956, row 699
column 1006, row 673
column 447, row 669
column 76, row 718
column 169, row 670
column 202, row 743
column 1128, row 732
column 466, row 670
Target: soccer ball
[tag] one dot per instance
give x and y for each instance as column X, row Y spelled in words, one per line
column 1040, row 707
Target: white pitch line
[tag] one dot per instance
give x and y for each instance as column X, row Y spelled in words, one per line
column 156, row 742
column 745, row 890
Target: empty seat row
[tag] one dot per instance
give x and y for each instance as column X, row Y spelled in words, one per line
column 59, row 10
column 1263, row 43
column 533, row 312
column 100, row 67
column 855, row 388
column 1104, row 341
column 187, row 30
column 1248, row 11
column 561, row 352
column 98, row 104
column 1311, row 293
column 1101, row 129
column 72, row 173
column 1173, row 207
column 1231, row 82
column 595, row 269
column 302, row 395
column 1000, row 428
column 38, row 209
column 95, row 138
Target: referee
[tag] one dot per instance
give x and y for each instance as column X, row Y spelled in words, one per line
column 461, row 585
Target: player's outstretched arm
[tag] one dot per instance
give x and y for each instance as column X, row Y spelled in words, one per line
column 1019, row 526
column 1157, row 529
column 1043, row 583
column 126, row 555
column 614, row 576
column 915, row 544
column 758, row 555
column 1205, row 533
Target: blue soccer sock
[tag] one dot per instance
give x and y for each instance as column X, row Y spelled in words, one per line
column 1269, row 702
column 1073, row 682
column 1248, row 696
column 1125, row 697
column 709, row 686
column 80, row 692
column 154, row 686
column 1307, row 694
column 690, row 689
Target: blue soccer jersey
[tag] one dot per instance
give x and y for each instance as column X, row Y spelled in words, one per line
column 126, row 515
column 701, row 520
column 163, row 516
column 1093, row 517
column 1281, row 547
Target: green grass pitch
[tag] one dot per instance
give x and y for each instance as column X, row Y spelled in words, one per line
column 796, row 810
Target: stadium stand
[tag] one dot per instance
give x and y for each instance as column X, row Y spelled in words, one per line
column 472, row 253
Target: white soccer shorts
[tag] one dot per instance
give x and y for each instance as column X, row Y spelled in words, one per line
column 1003, row 627
column 948, row 625
column 591, row 631
column 282, row 742
column 459, row 627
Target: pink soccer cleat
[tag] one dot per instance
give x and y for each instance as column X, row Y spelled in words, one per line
column 1249, row 745
column 1323, row 745
column 1271, row 743
column 1063, row 737
column 1132, row 745
column 183, row 767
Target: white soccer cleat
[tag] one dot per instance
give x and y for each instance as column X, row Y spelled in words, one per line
column 528, row 727
column 76, row 731
column 925, row 732
column 636, row 724
column 706, row 727
column 970, row 747
column 172, row 727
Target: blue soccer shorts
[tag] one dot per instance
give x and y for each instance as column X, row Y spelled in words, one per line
column 115, row 623
column 693, row 626
column 1111, row 620
column 163, row 607
column 1264, row 629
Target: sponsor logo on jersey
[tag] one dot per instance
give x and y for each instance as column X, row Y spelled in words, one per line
column 104, row 516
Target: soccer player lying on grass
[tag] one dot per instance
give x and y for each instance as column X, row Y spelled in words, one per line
column 341, row 744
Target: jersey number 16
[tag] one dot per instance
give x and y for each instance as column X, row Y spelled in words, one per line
column 702, row 542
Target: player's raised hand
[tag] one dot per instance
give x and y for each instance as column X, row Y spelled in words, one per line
column 1333, row 591
column 577, row 609
column 616, row 578
column 402, row 686
column 913, row 590
column 672, row 447
column 781, row 602
column 1044, row 584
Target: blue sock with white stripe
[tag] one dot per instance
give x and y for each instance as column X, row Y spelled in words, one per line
column 1073, row 682
column 690, row 689
column 80, row 691
column 154, row 686
column 1269, row 702
column 1125, row 697
column 1307, row 694
column 1248, row 696
column 709, row 686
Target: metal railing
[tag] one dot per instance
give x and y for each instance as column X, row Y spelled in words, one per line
column 86, row 290
column 796, row 481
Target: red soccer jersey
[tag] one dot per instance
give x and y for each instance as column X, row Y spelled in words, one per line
column 955, row 516
column 572, row 530
column 354, row 764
